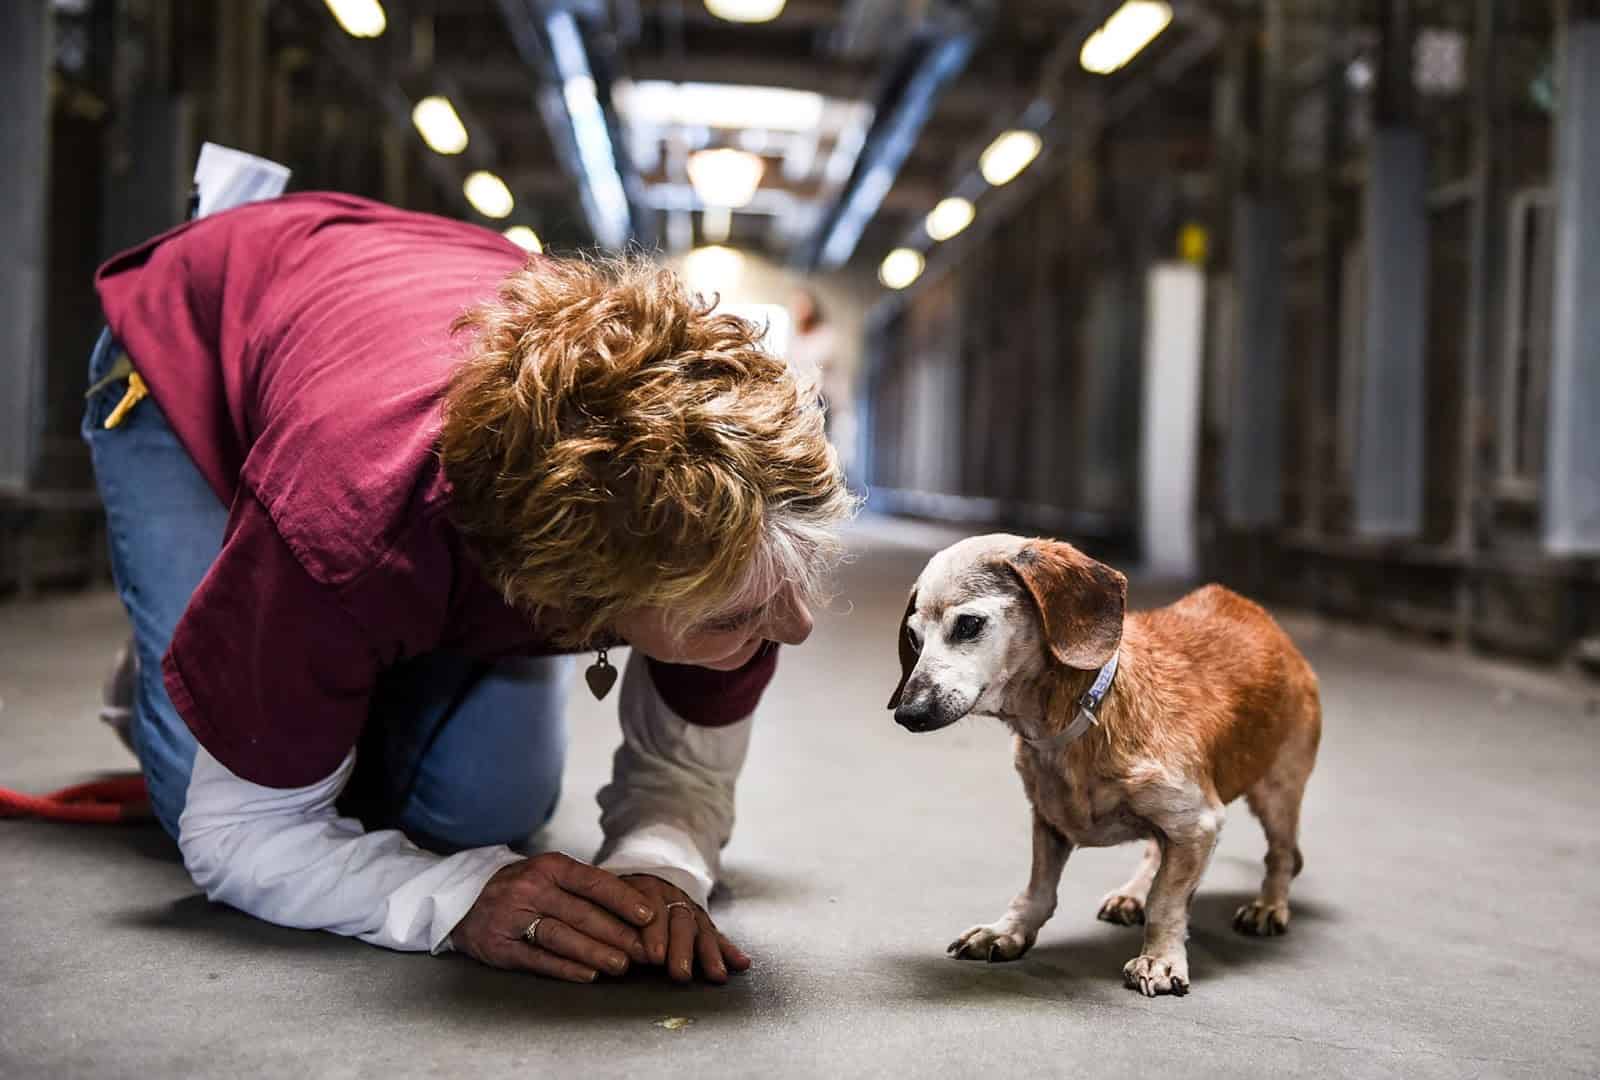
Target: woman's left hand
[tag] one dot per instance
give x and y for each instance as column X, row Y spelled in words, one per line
column 683, row 936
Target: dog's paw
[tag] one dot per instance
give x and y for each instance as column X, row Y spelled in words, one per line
column 1122, row 910
column 995, row 942
column 1152, row 975
column 1261, row 919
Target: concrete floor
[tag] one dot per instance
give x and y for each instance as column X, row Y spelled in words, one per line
column 1444, row 926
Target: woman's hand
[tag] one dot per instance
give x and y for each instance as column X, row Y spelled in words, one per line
column 588, row 919
column 683, row 934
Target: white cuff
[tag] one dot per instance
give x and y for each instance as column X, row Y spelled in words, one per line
column 452, row 902
column 664, row 851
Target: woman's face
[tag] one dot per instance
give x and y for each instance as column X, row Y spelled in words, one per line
column 724, row 643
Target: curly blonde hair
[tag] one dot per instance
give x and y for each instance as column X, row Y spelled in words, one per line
column 612, row 444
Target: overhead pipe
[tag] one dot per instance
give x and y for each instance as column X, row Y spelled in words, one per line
column 573, row 94
column 921, row 73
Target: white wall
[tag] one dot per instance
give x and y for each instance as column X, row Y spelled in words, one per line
column 844, row 297
column 1170, row 425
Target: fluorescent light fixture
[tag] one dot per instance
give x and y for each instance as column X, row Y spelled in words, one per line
column 900, row 267
column 1131, row 27
column 439, row 126
column 719, row 105
column 359, row 18
column 488, row 194
column 725, row 177
column 950, row 217
column 746, row 11
column 525, row 238
column 713, row 270
column 1008, row 155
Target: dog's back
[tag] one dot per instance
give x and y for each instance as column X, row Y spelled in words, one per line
column 1237, row 682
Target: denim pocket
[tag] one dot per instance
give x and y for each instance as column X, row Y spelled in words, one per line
column 101, row 399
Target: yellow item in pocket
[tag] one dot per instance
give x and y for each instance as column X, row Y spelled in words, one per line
column 137, row 392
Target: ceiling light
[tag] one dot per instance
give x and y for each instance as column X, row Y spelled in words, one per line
column 439, row 126
column 725, row 177
column 488, row 194
column 1131, row 27
column 950, row 217
column 900, row 268
column 745, row 11
column 525, row 238
column 1008, row 155
column 719, row 105
column 359, row 18
column 713, row 270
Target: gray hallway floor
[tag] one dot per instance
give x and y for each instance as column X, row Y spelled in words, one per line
column 1446, row 923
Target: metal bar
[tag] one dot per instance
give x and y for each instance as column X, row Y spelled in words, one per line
column 25, row 60
column 1389, row 451
column 1389, row 447
column 1485, row 246
column 1571, row 509
column 1318, row 474
column 1253, row 453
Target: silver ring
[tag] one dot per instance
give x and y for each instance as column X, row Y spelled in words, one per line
column 681, row 903
column 530, row 934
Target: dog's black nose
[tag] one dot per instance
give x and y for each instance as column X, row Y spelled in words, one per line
column 915, row 716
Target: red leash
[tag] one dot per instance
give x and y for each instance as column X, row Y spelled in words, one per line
column 102, row 802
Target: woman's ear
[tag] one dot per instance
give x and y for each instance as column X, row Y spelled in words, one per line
column 908, row 654
column 1080, row 602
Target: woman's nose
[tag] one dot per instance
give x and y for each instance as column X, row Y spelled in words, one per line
column 791, row 623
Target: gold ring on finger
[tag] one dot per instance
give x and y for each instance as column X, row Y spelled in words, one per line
column 530, row 935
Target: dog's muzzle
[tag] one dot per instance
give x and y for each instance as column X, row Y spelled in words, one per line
column 923, row 715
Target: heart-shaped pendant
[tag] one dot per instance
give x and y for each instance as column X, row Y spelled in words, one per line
column 600, row 676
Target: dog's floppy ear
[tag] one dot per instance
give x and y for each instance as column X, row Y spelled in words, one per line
column 1080, row 601
column 908, row 655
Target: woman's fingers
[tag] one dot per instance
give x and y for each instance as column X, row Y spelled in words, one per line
column 593, row 921
column 655, row 938
column 605, row 889
column 710, row 952
column 732, row 955
column 544, row 962
column 684, row 928
column 555, row 936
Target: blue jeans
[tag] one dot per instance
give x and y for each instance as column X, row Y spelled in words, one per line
column 458, row 752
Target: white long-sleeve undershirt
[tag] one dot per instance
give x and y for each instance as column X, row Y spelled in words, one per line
column 286, row 856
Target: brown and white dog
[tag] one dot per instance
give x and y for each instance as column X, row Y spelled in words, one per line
column 1207, row 700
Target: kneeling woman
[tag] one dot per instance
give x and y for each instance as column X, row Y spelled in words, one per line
column 390, row 470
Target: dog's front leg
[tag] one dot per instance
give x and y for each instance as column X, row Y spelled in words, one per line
column 1013, row 933
column 1163, row 966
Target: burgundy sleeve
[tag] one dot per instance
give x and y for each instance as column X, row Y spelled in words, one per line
column 709, row 698
column 267, row 669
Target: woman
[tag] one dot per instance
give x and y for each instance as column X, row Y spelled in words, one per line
column 387, row 471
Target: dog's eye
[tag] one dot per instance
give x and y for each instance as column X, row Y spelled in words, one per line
column 911, row 639
column 967, row 628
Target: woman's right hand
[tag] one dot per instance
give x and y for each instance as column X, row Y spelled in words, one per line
column 588, row 920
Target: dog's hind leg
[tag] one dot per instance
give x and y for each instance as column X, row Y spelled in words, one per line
column 1275, row 801
column 1125, row 906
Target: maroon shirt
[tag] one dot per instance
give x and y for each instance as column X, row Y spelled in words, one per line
column 300, row 349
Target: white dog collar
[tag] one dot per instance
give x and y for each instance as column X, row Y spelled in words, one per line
column 1087, row 717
